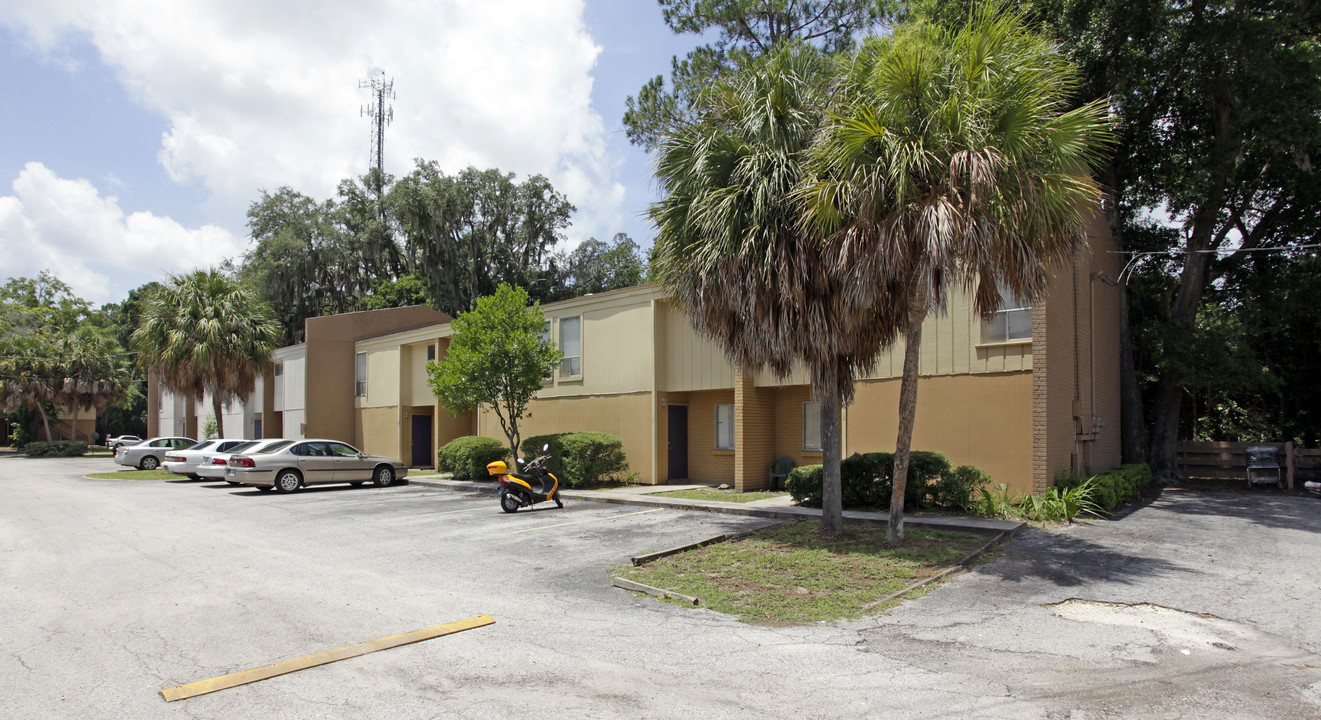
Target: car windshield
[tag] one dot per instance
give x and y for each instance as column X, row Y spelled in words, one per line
column 202, row 445
column 273, row 447
column 240, row 448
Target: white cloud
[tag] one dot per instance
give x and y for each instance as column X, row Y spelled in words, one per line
column 68, row 227
column 260, row 94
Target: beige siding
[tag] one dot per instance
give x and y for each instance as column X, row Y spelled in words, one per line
column 419, row 392
column 690, row 362
column 982, row 420
column 616, row 338
column 383, row 378
column 789, row 426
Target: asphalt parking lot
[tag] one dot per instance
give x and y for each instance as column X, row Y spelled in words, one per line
column 113, row 590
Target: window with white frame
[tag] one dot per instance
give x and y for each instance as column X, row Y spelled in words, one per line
column 724, row 427
column 360, row 375
column 571, row 342
column 1013, row 321
column 812, row 426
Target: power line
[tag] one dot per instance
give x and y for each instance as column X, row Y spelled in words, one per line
column 1136, row 256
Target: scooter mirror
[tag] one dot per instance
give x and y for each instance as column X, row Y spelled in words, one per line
column 520, row 460
column 545, row 447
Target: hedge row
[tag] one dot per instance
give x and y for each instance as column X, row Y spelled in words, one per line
column 467, row 457
column 580, row 458
column 867, row 481
column 1114, row 487
column 57, row 448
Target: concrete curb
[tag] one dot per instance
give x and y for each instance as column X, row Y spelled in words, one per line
column 953, row 524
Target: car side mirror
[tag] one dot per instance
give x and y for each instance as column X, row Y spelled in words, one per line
column 362, row 456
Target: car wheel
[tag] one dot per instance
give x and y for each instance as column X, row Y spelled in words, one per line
column 288, row 481
column 508, row 503
column 194, row 477
column 231, row 482
column 149, row 463
column 356, row 483
column 383, row 476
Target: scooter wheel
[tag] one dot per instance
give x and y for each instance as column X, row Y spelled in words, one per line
column 508, row 503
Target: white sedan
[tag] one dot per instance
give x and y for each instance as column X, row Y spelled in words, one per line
column 186, row 462
column 215, row 469
column 147, row 455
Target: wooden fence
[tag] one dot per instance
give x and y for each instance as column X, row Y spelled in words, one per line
column 1228, row 460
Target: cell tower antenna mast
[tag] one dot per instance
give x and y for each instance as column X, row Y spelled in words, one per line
column 380, row 113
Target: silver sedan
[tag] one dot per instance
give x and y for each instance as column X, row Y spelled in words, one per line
column 215, row 467
column 186, row 462
column 147, row 455
column 311, row 462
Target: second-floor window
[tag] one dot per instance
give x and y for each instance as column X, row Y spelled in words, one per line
column 360, row 376
column 571, row 342
column 1013, row 321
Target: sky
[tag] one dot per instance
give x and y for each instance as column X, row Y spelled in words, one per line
column 138, row 132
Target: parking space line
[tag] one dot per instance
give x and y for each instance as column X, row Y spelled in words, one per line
column 393, row 498
column 576, row 522
column 442, row 512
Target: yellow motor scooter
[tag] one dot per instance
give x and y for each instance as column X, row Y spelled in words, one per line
column 535, row 484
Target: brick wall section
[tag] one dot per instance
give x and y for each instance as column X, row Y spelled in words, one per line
column 1040, row 456
column 754, row 433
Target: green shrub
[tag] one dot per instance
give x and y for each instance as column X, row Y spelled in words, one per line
column 58, row 448
column 866, row 481
column 955, row 490
column 580, row 458
column 804, row 485
column 467, row 457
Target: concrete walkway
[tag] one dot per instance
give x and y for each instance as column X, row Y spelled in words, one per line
column 777, row 508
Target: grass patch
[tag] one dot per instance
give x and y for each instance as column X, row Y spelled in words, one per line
column 790, row 573
column 720, row 495
column 137, row 475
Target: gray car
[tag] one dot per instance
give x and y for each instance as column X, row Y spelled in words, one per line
column 148, row 454
column 312, row 462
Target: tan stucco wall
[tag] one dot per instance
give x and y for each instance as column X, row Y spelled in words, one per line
column 982, row 420
column 627, row 416
column 1082, row 378
column 789, row 425
column 330, row 348
column 705, row 463
column 378, row 431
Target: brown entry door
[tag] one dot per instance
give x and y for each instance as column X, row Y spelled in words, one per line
column 678, row 448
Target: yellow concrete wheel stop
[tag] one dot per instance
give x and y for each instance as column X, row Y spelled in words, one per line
column 285, row 667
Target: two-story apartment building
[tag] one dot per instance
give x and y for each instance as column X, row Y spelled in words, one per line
column 1024, row 395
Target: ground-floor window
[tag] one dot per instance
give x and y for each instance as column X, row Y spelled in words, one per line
column 812, row 426
column 724, row 427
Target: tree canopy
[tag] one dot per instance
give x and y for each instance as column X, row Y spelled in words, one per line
column 498, row 357
column 742, row 30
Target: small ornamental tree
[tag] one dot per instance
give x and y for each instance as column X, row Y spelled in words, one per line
column 498, row 357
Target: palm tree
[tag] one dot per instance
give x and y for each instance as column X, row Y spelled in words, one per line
column 206, row 333
column 92, row 372
column 950, row 159
column 731, row 250
column 27, row 369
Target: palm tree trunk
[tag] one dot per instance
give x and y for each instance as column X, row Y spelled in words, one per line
column 45, row 420
column 220, row 419
column 832, row 502
column 907, row 414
